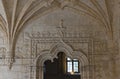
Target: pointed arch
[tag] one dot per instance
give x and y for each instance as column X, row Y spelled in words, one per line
column 52, row 53
column 61, row 47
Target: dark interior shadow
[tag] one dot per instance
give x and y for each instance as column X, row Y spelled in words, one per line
column 57, row 69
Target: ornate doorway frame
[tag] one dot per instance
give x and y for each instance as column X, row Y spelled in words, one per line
column 52, row 53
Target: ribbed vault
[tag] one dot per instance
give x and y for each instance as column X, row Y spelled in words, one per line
column 20, row 12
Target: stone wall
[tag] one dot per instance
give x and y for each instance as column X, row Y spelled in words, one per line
column 80, row 32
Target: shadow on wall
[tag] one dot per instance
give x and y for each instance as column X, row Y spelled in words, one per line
column 57, row 69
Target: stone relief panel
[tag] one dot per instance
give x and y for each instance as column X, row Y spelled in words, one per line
column 35, row 42
column 3, row 49
column 23, row 48
column 100, row 47
column 44, row 41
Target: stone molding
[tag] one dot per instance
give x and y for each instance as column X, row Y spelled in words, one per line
column 52, row 53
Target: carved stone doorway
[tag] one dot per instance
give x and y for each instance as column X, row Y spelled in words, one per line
column 52, row 54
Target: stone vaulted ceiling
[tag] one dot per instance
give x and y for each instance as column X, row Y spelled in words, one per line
column 15, row 14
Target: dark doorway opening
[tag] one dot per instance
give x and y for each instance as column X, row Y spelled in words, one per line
column 57, row 69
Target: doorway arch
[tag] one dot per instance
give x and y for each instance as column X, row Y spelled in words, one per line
column 69, row 52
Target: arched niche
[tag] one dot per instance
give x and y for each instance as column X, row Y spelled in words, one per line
column 69, row 52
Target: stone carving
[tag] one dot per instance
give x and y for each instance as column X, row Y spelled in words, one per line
column 3, row 56
column 37, row 42
column 3, row 52
column 61, row 29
